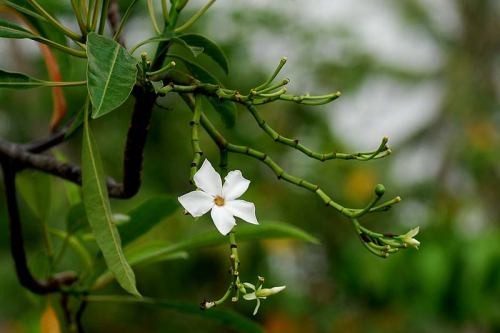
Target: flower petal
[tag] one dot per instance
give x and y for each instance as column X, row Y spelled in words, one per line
column 208, row 179
column 243, row 209
column 223, row 219
column 197, row 203
column 249, row 296
column 235, row 185
column 249, row 285
column 256, row 307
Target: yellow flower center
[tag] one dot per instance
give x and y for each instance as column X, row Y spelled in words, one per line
column 219, row 201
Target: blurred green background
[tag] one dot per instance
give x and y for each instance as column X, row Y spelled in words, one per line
column 425, row 73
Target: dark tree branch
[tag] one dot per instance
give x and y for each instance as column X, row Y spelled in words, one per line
column 14, row 157
column 26, row 156
column 27, row 280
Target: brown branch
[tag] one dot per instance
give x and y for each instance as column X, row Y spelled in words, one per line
column 25, row 156
column 27, row 280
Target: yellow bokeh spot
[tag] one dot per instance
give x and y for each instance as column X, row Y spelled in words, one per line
column 359, row 184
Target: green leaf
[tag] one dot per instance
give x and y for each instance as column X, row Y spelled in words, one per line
column 11, row 30
column 210, row 48
column 19, row 81
column 97, row 207
column 149, row 253
column 111, row 74
column 25, row 10
column 36, row 190
column 150, row 40
column 243, row 233
column 77, row 246
column 227, row 318
column 146, row 216
column 76, row 219
column 142, row 254
column 196, row 70
column 194, row 50
column 226, row 109
column 159, row 250
column 22, row 81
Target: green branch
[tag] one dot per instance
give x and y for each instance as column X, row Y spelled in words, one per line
column 54, row 22
column 381, row 151
column 195, row 139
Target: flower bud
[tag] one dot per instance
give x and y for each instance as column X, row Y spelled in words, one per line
column 265, row 292
column 408, row 239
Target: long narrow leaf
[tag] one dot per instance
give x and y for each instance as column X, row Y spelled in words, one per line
column 13, row 80
column 159, row 251
column 11, row 30
column 97, row 207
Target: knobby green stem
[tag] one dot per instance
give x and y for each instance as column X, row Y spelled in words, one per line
column 294, row 143
column 195, row 139
column 223, row 144
column 273, row 76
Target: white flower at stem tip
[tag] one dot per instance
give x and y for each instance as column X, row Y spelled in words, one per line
column 219, row 199
column 408, row 238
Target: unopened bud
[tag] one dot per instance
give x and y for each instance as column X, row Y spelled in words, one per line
column 265, row 292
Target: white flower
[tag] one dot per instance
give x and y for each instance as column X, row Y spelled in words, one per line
column 260, row 293
column 408, row 238
column 220, row 199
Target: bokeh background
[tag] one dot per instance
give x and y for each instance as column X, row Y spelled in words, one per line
column 425, row 73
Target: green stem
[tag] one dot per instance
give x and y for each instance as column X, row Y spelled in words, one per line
column 164, row 10
column 195, row 17
column 95, row 14
column 162, row 70
column 273, row 76
column 89, row 13
column 65, row 84
column 226, row 295
column 54, row 21
column 124, row 19
column 222, row 143
column 223, row 161
column 195, row 139
column 63, row 48
column 79, row 17
column 104, row 16
column 152, row 16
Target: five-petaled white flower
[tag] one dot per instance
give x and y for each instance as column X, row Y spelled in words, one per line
column 220, row 199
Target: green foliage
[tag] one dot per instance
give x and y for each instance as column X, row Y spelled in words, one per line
column 22, row 81
column 208, row 47
column 11, row 30
column 146, row 216
column 111, row 74
column 95, row 199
